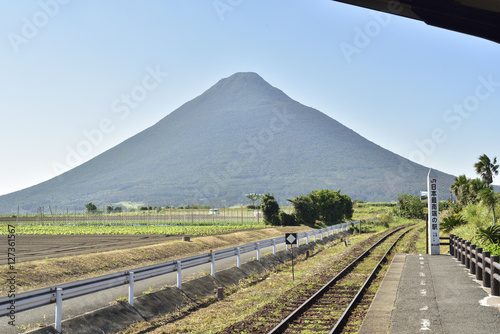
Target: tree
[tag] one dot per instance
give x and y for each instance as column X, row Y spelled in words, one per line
column 306, row 211
column 270, row 210
column 466, row 190
column 91, row 208
column 490, row 199
column 475, row 187
column 411, row 206
column 110, row 209
column 486, row 168
column 458, row 188
column 333, row 207
column 254, row 197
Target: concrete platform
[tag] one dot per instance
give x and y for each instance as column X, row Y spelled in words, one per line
column 431, row 294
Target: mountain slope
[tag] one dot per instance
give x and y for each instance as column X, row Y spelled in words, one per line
column 242, row 135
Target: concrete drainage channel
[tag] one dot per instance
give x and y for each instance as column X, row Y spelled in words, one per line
column 171, row 299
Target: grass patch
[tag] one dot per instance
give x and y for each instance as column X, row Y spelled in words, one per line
column 249, row 297
column 252, row 296
column 372, row 210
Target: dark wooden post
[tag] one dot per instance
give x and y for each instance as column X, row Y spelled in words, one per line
column 479, row 270
column 473, row 253
column 459, row 250
column 462, row 251
column 495, row 285
column 486, row 265
column 467, row 254
column 452, row 240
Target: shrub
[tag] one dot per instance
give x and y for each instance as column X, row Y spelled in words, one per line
column 386, row 219
column 490, row 234
column 455, row 220
column 410, row 206
column 270, row 210
column 306, row 212
column 287, row 219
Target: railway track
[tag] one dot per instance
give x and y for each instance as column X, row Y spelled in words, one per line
column 324, row 306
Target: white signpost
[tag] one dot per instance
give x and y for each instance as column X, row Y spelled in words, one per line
column 433, row 209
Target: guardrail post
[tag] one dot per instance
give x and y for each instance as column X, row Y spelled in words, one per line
column 131, row 288
column 58, row 319
column 486, row 269
column 495, row 285
column 467, row 254
column 258, row 252
column 479, row 268
column 274, row 247
column 315, row 234
column 298, row 241
column 212, row 267
column 473, row 263
column 179, row 275
column 321, row 231
column 238, row 257
column 307, row 238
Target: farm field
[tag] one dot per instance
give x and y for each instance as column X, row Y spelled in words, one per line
column 40, row 247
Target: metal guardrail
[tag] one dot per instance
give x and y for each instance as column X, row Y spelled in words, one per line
column 483, row 265
column 29, row 300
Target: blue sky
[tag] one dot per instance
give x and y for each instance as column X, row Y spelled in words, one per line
column 79, row 77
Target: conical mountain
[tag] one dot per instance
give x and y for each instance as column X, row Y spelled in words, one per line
column 242, row 135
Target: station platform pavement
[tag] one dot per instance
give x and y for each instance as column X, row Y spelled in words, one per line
column 431, row 294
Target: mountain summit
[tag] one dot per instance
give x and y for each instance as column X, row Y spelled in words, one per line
column 242, row 135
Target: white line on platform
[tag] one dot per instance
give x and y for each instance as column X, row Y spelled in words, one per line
column 426, row 325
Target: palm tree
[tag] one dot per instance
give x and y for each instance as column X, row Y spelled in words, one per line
column 254, row 197
column 490, row 199
column 486, row 168
column 459, row 187
column 474, row 188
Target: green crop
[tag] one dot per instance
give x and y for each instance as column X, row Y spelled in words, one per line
column 149, row 229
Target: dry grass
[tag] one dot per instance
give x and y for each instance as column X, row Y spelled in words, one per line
column 49, row 272
column 248, row 297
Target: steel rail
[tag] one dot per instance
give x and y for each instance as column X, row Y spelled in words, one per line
column 341, row 322
column 281, row 327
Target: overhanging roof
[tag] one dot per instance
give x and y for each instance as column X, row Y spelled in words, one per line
column 479, row 18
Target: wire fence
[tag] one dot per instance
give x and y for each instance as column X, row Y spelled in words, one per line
column 170, row 217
